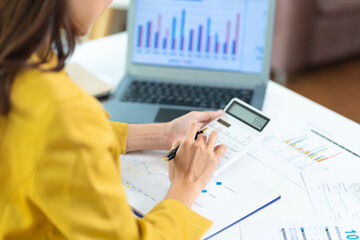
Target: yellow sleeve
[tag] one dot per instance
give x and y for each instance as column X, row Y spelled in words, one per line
column 120, row 130
column 183, row 222
column 76, row 183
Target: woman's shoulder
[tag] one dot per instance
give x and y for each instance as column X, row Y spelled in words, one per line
column 37, row 84
column 38, row 93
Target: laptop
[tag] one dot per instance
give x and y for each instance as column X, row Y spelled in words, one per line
column 193, row 55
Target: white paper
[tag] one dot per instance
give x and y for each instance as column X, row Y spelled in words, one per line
column 306, row 230
column 227, row 198
column 291, row 152
column 333, row 194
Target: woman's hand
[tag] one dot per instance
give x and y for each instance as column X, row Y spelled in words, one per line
column 193, row 166
column 177, row 128
column 161, row 136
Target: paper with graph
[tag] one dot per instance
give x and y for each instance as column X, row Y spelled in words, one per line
column 301, row 230
column 227, row 198
column 291, row 152
column 334, row 195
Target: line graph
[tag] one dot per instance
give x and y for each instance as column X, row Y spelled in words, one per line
column 334, row 195
column 140, row 169
column 144, row 176
column 154, row 168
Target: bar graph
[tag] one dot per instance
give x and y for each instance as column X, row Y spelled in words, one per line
column 201, row 34
column 304, row 150
column 309, row 148
column 317, row 154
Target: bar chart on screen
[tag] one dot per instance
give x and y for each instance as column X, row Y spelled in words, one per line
column 229, row 35
column 149, row 38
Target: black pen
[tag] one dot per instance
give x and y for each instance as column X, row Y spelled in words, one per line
column 171, row 155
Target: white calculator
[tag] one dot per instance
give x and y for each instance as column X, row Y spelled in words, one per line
column 239, row 128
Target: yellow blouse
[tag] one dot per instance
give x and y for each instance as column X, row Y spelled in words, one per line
column 59, row 170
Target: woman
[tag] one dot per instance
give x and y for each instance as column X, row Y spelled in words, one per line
column 59, row 152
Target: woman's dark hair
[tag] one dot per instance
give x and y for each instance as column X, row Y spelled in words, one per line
column 28, row 27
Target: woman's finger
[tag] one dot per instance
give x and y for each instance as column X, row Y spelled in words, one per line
column 201, row 138
column 220, row 151
column 191, row 133
column 212, row 139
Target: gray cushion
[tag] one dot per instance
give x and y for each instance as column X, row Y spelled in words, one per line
column 338, row 6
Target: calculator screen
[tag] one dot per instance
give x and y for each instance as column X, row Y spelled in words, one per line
column 248, row 116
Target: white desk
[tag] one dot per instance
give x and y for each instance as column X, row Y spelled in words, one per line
column 106, row 59
column 120, row 4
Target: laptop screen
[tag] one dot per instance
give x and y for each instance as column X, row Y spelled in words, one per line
column 222, row 35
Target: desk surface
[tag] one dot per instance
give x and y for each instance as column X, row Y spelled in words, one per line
column 120, row 4
column 106, row 59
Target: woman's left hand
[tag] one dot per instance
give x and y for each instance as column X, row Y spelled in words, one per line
column 179, row 126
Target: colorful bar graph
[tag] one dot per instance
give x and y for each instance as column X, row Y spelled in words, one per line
column 209, row 45
column 173, row 40
column 165, row 41
column 323, row 159
column 182, row 37
column 148, row 34
column 156, row 42
column 226, row 47
column 200, row 33
column 318, row 154
column 233, row 49
column 201, row 39
column 216, row 47
column 158, row 34
column 140, row 36
column 237, row 31
column 208, row 38
column 293, row 144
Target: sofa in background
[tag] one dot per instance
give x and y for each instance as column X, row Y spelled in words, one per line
column 310, row 33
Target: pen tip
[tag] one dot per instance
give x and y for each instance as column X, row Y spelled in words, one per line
column 204, row 129
column 166, row 159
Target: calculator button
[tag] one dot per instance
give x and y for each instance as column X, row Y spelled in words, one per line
column 222, row 138
column 221, row 128
column 230, row 153
column 228, row 132
column 212, row 124
column 229, row 142
column 238, row 147
column 249, row 138
column 244, row 141
column 237, row 138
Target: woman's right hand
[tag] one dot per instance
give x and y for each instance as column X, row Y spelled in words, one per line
column 194, row 165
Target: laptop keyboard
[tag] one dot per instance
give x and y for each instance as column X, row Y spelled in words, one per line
column 183, row 95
